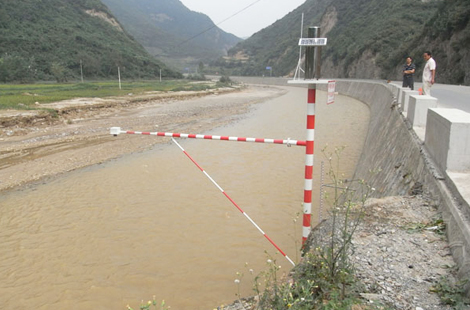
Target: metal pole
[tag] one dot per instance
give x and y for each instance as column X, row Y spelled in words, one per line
column 310, row 68
column 81, row 70
column 312, row 60
column 117, row 131
column 308, row 187
column 322, row 179
column 119, row 76
column 300, row 49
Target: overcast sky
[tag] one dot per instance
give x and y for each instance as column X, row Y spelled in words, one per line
column 259, row 15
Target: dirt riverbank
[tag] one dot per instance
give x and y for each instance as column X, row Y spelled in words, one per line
column 36, row 145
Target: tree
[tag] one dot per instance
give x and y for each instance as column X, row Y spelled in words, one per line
column 59, row 72
column 201, row 68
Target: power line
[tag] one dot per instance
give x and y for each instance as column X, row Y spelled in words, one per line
column 215, row 25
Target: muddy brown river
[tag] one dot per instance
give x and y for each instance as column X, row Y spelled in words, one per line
column 152, row 223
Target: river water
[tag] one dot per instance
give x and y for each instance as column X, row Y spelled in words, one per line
column 153, row 224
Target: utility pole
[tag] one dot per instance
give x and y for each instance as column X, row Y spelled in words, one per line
column 81, row 70
column 119, row 76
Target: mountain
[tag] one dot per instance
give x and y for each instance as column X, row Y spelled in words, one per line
column 275, row 46
column 447, row 36
column 172, row 32
column 366, row 39
column 55, row 39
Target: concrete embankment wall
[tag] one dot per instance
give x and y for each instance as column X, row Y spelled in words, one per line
column 395, row 162
column 391, row 161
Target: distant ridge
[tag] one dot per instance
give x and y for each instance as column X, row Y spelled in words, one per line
column 172, row 32
column 55, row 39
column 367, row 39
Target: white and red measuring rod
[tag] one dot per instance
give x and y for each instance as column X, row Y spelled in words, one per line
column 117, row 130
column 233, row 202
column 309, row 157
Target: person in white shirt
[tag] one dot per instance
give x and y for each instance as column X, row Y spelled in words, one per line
column 429, row 73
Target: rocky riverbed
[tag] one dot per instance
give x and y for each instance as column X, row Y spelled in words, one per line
column 36, row 145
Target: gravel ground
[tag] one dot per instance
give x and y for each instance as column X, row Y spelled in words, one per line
column 398, row 254
column 36, row 146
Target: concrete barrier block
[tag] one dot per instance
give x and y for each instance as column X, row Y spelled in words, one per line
column 406, row 98
column 447, row 138
column 394, row 88
column 418, row 106
column 400, row 95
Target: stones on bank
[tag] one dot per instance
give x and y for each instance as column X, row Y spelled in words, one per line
column 399, row 253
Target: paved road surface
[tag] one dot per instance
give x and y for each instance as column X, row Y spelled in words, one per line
column 449, row 96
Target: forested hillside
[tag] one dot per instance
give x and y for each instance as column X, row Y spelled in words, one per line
column 369, row 36
column 55, row 39
column 366, row 39
column 447, row 35
column 274, row 46
column 172, row 32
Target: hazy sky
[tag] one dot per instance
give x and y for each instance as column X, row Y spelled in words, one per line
column 259, row 15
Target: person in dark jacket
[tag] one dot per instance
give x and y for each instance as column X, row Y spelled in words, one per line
column 408, row 72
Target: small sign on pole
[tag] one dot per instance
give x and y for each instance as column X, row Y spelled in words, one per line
column 331, row 92
column 270, row 70
column 312, row 41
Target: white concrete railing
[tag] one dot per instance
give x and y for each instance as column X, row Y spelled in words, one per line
column 447, row 131
column 447, row 138
column 418, row 107
column 406, row 98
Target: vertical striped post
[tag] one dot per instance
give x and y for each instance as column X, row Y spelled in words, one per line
column 309, row 163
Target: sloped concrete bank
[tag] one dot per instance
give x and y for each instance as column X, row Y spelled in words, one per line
column 395, row 162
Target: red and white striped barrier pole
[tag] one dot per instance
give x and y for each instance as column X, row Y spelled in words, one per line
column 309, row 157
column 117, row 130
column 233, row 202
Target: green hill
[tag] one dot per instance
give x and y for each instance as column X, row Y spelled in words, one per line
column 56, row 39
column 366, row 39
column 447, row 36
column 274, row 46
column 172, row 32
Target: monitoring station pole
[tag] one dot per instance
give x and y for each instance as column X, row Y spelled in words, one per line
column 313, row 46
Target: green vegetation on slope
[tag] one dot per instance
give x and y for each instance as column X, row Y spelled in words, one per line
column 48, row 40
column 379, row 27
column 274, row 46
column 366, row 39
column 447, row 36
column 172, row 32
column 31, row 96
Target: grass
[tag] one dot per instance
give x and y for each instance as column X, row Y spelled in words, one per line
column 325, row 279
column 151, row 304
column 25, row 96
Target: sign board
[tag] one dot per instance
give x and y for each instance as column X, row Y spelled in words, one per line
column 312, row 42
column 331, row 92
column 268, row 68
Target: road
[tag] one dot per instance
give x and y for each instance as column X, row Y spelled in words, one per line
column 449, row 96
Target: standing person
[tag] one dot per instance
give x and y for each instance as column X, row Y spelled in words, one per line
column 408, row 72
column 429, row 73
